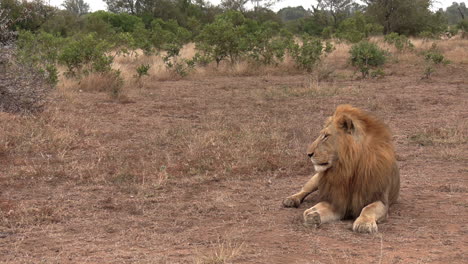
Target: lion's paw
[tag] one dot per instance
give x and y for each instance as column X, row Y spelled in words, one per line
column 312, row 218
column 291, row 202
column 362, row 225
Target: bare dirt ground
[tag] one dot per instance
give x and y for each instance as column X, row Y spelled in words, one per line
column 194, row 171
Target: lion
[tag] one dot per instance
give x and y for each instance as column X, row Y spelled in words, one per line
column 356, row 172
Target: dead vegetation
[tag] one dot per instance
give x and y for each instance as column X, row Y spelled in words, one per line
column 193, row 169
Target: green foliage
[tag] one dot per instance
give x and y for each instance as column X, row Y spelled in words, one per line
column 453, row 12
column 224, row 38
column 201, row 59
column 405, row 17
column 165, row 32
column 175, row 64
column 63, row 23
column 115, row 90
column 315, row 25
column 463, row 25
column 76, row 7
column 118, row 22
column 86, row 54
column 357, row 28
column 428, row 72
column 142, row 70
column 263, row 43
column 307, row 54
column 377, row 73
column 434, row 55
column 27, row 15
column 433, row 58
column 401, row 42
column 426, row 35
column 292, row 13
column 41, row 52
column 366, row 55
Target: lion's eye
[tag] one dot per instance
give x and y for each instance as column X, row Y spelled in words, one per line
column 325, row 136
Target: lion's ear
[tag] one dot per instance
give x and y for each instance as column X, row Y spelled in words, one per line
column 346, row 124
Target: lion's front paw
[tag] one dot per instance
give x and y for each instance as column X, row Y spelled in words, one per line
column 363, row 225
column 291, row 201
column 312, row 218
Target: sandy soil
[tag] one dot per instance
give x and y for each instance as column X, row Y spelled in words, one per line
column 194, row 171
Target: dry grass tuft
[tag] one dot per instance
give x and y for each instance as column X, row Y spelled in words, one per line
column 14, row 216
column 36, row 134
column 100, row 82
column 441, row 136
column 222, row 253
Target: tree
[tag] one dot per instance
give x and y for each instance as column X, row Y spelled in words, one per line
column 263, row 3
column 122, row 6
column 77, row 7
column 401, row 16
column 292, row 13
column 236, row 5
column 336, row 8
column 456, row 13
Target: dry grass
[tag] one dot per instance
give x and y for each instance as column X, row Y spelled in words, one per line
column 193, row 158
column 442, row 135
column 221, row 252
column 334, row 65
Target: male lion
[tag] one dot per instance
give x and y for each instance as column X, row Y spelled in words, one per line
column 357, row 174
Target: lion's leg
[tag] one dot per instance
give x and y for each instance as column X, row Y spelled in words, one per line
column 372, row 214
column 321, row 213
column 296, row 199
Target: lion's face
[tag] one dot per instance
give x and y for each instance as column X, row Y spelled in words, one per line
column 322, row 151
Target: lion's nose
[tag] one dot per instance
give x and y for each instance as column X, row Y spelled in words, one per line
column 310, row 155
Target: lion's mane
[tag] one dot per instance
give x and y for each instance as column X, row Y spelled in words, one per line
column 365, row 166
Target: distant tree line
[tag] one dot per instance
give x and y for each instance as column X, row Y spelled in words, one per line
column 323, row 19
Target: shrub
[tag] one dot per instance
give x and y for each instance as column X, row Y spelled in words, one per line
column 174, row 64
column 434, row 55
column 40, row 51
column 142, row 70
column 265, row 45
column 86, row 54
column 309, row 53
column 401, row 42
column 366, row 55
column 224, row 38
column 168, row 32
column 357, row 28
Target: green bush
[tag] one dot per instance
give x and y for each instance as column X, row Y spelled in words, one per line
column 174, row 64
column 118, row 22
column 307, row 54
column 427, row 35
column 357, row 28
column 434, row 55
column 41, row 52
column 224, row 38
column 401, row 42
column 86, row 54
column 265, row 45
column 366, row 55
column 168, row 32
column 142, row 70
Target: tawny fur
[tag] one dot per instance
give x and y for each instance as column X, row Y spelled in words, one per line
column 357, row 175
column 365, row 169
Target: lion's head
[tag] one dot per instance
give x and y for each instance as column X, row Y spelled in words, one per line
column 348, row 138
